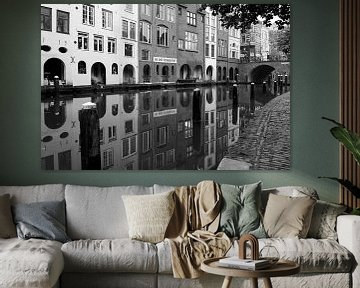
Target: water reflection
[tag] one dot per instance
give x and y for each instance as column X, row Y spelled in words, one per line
column 187, row 129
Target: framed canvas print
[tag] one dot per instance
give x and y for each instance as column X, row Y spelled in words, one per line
column 165, row 86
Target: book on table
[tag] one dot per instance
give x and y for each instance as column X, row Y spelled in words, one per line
column 249, row 264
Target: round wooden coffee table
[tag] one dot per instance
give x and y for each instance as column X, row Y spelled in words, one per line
column 281, row 268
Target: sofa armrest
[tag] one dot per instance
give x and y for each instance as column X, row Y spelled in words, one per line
column 348, row 230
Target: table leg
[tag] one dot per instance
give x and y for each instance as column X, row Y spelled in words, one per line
column 227, row 282
column 267, row 283
column 254, row 282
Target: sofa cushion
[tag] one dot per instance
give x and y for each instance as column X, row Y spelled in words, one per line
column 30, row 263
column 7, row 226
column 287, row 216
column 98, row 213
column 43, row 220
column 240, row 210
column 313, row 255
column 149, row 215
column 35, row 193
column 116, row 255
column 291, row 191
column 323, row 222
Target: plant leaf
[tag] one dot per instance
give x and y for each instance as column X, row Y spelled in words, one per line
column 347, row 184
column 349, row 139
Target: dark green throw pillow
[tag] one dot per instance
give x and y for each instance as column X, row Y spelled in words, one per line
column 43, row 220
column 240, row 213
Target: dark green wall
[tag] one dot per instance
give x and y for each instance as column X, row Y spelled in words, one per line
column 314, row 93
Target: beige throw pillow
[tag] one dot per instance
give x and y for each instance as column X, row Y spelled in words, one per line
column 149, row 215
column 7, row 226
column 288, row 217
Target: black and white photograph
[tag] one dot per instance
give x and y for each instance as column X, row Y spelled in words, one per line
column 165, row 87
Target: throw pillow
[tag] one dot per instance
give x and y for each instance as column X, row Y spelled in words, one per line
column 44, row 220
column 149, row 215
column 7, row 226
column 287, row 217
column 323, row 222
column 240, row 213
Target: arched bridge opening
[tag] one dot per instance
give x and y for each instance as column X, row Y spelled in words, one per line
column 261, row 73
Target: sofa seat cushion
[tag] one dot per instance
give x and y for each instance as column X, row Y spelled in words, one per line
column 30, row 263
column 110, row 255
column 313, row 255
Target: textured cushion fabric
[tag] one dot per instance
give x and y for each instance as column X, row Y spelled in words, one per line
column 117, row 255
column 44, row 220
column 313, row 255
column 32, row 263
column 109, row 280
column 149, row 215
column 7, row 226
column 291, row 191
column 240, row 212
column 162, row 188
column 34, row 193
column 98, row 213
column 323, row 223
column 287, row 216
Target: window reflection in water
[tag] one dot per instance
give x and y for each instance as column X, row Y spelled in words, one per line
column 186, row 129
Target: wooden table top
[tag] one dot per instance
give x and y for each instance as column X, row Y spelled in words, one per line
column 281, row 268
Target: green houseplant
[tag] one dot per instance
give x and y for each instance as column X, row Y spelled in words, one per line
column 351, row 142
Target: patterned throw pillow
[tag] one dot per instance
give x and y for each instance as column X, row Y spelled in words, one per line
column 323, row 223
column 7, row 226
column 288, row 217
column 240, row 213
column 149, row 215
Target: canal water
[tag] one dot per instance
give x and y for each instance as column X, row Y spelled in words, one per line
column 176, row 129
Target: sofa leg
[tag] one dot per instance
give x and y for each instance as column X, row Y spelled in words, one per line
column 227, row 282
column 267, row 283
column 254, row 282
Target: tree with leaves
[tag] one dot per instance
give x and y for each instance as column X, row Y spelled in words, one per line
column 241, row 16
column 279, row 41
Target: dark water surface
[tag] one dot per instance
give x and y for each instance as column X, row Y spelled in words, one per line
column 188, row 129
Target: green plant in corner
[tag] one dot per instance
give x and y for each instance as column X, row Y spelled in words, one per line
column 351, row 142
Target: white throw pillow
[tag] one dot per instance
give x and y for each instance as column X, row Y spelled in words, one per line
column 149, row 215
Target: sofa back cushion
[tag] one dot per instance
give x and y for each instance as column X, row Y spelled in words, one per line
column 290, row 191
column 98, row 212
column 36, row 193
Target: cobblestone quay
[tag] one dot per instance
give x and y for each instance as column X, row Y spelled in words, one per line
column 264, row 144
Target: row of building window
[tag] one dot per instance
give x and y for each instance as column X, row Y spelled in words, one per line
column 98, row 44
column 88, row 18
column 163, row 12
column 62, row 20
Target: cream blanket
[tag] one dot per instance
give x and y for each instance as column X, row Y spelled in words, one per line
column 191, row 231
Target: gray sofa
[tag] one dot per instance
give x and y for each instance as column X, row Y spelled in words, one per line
column 101, row 254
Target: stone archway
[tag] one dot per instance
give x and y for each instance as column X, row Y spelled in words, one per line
column 198, row 72
column 98, row 73
column 147, row 73
column 185, row 71
column 54, row 67
column 209, row 73
column 128, row 74
column 261, row 73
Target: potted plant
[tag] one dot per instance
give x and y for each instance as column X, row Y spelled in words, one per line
column 351, row 141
